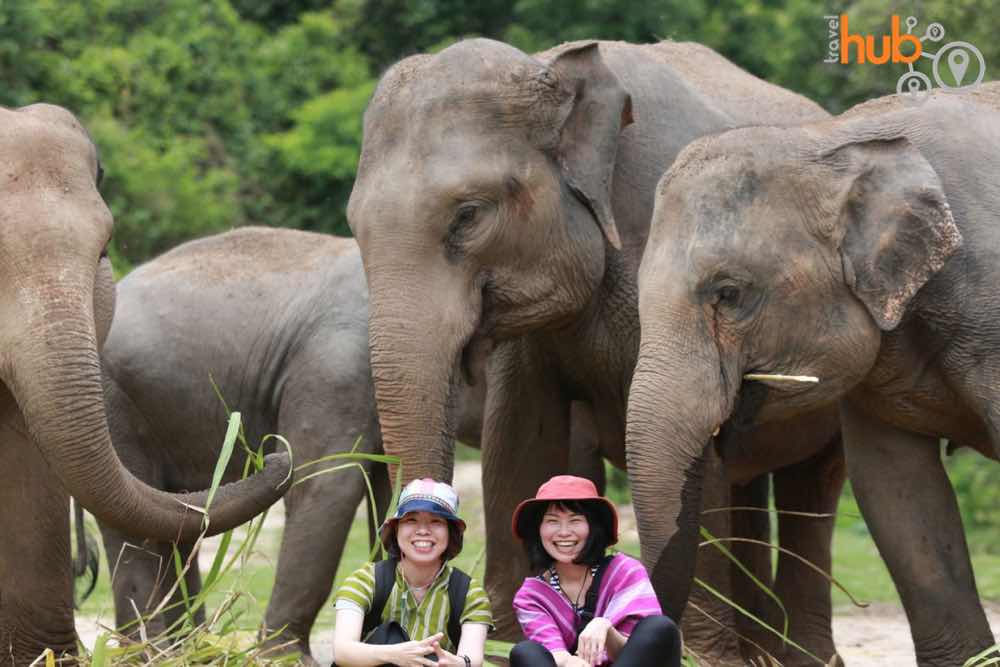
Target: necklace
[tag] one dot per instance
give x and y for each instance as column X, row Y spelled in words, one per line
column 557, row 586
column 418, row 589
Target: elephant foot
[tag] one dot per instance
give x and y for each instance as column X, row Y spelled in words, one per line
column 285, row 645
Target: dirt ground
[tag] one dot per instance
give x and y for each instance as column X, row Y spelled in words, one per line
column 874, row 636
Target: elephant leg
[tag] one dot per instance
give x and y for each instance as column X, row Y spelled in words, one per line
column 36, row 580
column 812, row 486
column 177, row 610
column 754, row 524
column 319, row 511
column 382, row 490
column 911, row 510
column 585, row 458
column 142, row 573
column 708, row 625
column 525, row 441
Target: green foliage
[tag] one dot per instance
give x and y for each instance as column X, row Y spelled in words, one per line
column 211, row 114
column 977, row 485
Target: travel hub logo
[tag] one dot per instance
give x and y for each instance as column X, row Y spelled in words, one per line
column 955, row 65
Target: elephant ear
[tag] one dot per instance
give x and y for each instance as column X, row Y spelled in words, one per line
column 588, row 141
column 897, row 228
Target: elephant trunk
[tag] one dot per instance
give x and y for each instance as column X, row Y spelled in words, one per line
column 417, row 345
column 675, row 405
column 54, row 375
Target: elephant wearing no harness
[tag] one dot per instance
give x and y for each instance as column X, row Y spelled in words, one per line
column 56, row 305
column 863, row 251
column 506, row 197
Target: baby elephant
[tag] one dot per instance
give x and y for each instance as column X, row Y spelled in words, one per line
column 861, row 250
column 278, row 320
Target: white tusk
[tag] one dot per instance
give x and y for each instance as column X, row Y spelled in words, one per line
column 781, row 378
column 715, row 432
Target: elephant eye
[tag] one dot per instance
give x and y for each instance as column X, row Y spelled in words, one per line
column 728, row 295
column 463, row 222
column 465, row 215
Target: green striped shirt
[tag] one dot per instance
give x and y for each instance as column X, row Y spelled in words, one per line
column 419, row 620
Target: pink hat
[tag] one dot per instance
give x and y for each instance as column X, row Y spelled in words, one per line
column 566, row 487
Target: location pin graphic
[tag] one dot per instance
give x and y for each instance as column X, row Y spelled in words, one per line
column 958, row 63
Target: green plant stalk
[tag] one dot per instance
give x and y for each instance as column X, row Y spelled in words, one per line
column 743, row 568
column 756, row 619
column 984, row 658
column 805, row 561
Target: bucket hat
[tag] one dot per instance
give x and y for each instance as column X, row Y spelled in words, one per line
column 424, row 495
column 566, row 487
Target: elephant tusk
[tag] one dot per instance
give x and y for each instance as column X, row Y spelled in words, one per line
column 716, row 431
column 764, row 377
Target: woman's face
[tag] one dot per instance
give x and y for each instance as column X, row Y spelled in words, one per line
column 422, row 536
column 564, row 533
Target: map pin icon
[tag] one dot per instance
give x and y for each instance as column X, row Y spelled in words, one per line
column 958, row 63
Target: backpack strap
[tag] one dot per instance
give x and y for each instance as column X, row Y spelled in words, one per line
column 458, row 589
column 385, row 581
column 590, row 602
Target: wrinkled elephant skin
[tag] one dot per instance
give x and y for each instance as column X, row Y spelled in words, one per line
column 507, row 197
column 277, row 320
column 860, row 250
column 56, row 305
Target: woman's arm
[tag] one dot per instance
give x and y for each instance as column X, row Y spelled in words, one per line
column 473, row 642
column 350, row 651
column 614, row 643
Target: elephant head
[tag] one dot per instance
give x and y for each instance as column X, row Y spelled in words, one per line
column 482, row 210
column 56, row 307
column 779, row 251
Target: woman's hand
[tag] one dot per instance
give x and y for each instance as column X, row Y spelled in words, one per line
column 412, row 653
column 591, row 642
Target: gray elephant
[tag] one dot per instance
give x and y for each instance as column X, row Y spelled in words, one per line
column 506, row 197
column 278, row 320
column 862, row 251
column 58, row 302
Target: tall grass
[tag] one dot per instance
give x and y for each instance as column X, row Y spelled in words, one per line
column 221, row 639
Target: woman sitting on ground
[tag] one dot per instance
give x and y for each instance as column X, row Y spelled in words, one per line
column 423, row 535
column 584, row 608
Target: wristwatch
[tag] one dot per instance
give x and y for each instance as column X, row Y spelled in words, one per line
column 468, row 661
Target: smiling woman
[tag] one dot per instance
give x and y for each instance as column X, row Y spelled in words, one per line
column 584, row 608
column 414, row 609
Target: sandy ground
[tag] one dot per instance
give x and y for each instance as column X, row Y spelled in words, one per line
column 874, row 636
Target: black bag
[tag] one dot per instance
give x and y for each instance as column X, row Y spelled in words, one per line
column 590, row 602
column 373, row 631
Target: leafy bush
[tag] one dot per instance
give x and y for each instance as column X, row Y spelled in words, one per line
column 977, row 484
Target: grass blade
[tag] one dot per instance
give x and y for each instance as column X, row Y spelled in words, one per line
column 711, row 539
column 227, row 452
column 756, row 619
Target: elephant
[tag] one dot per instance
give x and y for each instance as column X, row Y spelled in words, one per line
column 277, row 320
column 860, row 251
column 58, row 303
column 506, row 197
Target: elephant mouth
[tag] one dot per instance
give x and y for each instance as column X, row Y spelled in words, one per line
column 748, row 403
column 479, row 344
column 473, row 358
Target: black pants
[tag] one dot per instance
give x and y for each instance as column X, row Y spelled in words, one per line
column 654, row 642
